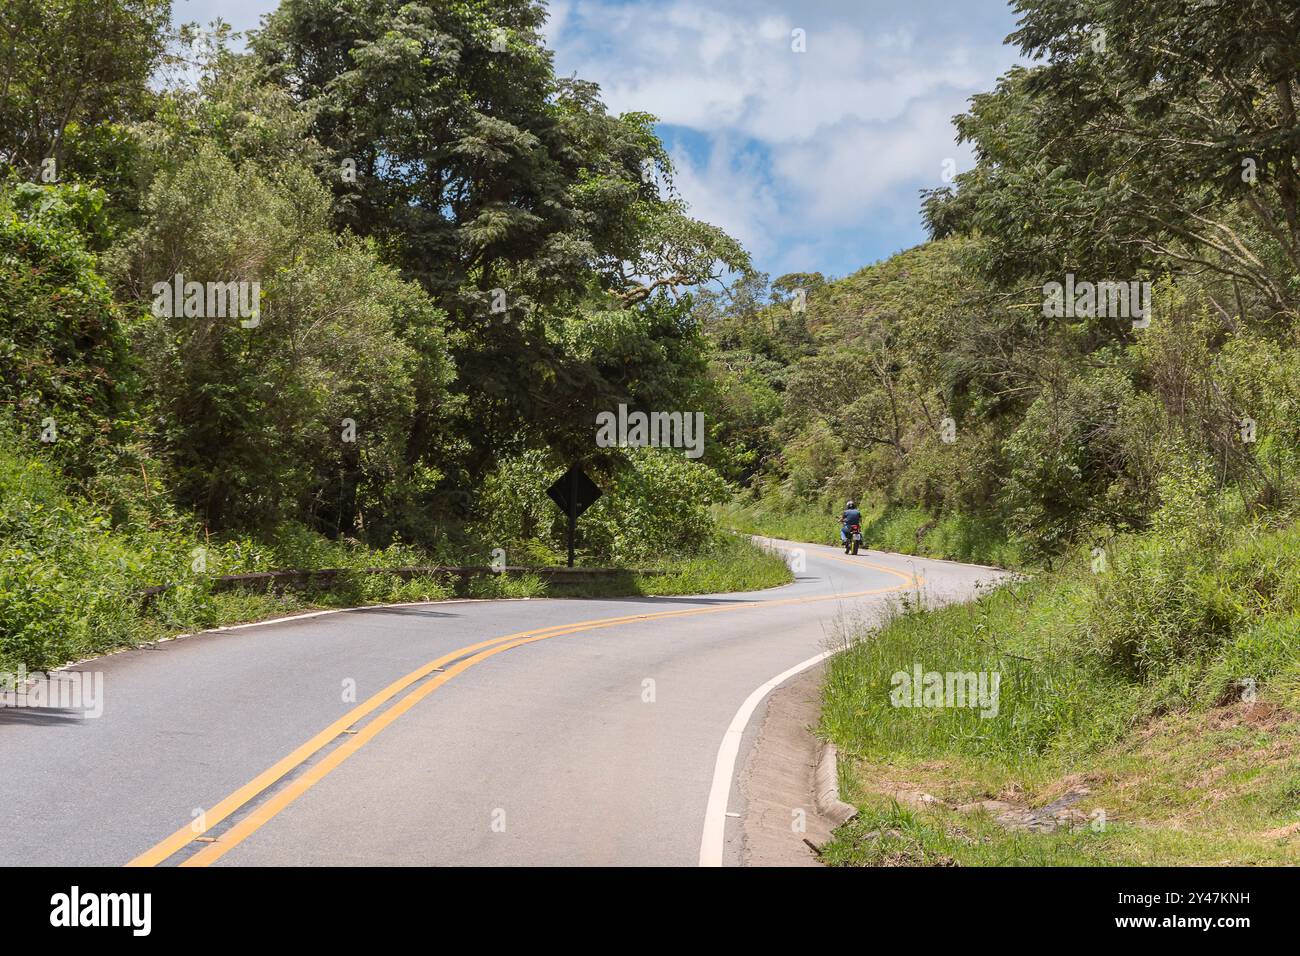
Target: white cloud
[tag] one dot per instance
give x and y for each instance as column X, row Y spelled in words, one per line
column 800, row 145
column 240, row 14
column 856, row 166
column 805, row 154
column 724, row 69
column 556, row 21
column 729, row 189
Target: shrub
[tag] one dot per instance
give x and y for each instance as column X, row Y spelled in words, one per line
column 63, row 347
column 1077, row 460
column 658, row 502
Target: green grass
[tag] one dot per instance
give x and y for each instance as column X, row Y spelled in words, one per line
column 904, row 530
column 805, row 525
column 1127, row 683
column 730, row 565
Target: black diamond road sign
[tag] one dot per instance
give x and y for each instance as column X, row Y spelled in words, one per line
column 574, row 487
column 574, row 493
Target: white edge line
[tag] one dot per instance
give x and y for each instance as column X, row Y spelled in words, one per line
column 724, row 768
column 278, row 620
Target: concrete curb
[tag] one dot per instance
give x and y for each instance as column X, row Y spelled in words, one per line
column 826, row 787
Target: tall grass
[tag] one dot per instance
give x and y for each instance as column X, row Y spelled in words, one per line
column 805, row 524
column 1084, row 657
column 1046, row 694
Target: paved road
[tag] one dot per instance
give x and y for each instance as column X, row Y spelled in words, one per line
column 472, row 732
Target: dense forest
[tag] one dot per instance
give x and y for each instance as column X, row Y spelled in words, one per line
column 1091, row 373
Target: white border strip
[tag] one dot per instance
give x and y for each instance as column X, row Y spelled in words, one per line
column 266, row 622
column 724, row 768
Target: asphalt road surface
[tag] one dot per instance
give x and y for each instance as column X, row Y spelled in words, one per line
column 467, row 732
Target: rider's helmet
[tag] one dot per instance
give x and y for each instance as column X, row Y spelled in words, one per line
column 850, row 504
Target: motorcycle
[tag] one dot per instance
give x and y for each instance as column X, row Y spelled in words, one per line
column 853, row 539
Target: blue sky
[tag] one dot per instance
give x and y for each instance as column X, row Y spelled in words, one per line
column 813, row 160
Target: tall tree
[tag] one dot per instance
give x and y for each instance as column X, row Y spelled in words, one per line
column 72, row 62
column 1155, row 133
column 512, row 195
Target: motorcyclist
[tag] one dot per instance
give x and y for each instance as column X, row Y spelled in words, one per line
column 851, row 516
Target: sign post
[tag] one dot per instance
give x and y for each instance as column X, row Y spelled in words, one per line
column 574, row 492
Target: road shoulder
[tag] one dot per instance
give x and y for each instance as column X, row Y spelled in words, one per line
column 778, row 780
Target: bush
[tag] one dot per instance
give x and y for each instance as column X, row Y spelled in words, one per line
column 657, row 503
column 1077, row 459
column 72, row 586
column 69, row 586
column 63, row 347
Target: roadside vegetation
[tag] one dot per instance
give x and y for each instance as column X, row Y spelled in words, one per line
column 73, row 583
column 377, row 369
column 1139, row 463
column 1155, row 704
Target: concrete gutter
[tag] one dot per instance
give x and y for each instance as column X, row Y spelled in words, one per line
column 826, row 787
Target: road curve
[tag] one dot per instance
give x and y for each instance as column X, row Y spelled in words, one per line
column 509, row 732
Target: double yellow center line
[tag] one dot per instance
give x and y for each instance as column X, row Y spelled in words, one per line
column 444, row 669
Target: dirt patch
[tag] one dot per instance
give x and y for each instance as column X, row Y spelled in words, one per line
column 1009, row 809
column 1258, row 715
column 1226, row 716
column 1071, row 783
column 1155, row 723
column 1061, row 813
column 1282, row 833
column 1012, row 793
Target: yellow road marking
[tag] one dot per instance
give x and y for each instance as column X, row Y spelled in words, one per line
column 266, row 778
column 261, row 815
column 912, row 579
